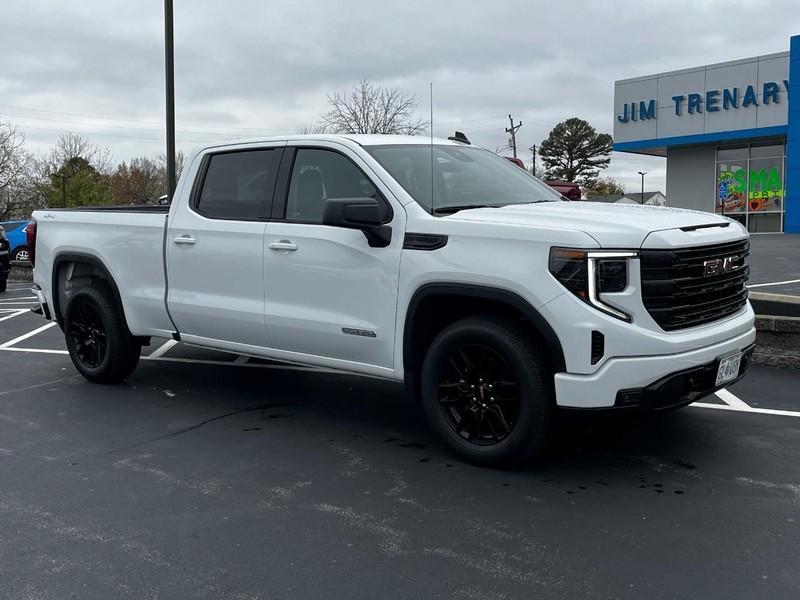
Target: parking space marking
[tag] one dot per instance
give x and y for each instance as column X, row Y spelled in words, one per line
column 763, row 411
column 25, row 336
column 15, row 314
column 20, row 299
column 163, row 349
column 735, row 403
column 731, row 400
column 34, row 350
column 756, row 285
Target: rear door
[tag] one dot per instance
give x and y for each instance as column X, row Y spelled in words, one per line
column 329, row 293
column 215, row 247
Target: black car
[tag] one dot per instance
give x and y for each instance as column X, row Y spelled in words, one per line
column 4, row 260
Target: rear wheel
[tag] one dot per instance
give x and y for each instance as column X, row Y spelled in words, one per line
column 485, row 391
column 22, row 254
column 99, row 344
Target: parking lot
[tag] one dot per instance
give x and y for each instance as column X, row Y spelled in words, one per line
column 216, row 476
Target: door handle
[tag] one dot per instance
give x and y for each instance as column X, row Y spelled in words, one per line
column 283, row 246
column 185, row 240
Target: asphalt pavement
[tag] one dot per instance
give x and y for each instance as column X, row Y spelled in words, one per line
column 214, row 476
column 775, row 263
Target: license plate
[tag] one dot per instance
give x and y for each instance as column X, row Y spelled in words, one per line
column 728, row 368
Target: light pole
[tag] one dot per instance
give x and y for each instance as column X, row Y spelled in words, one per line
column 642, row 173
column 169, row 72
column 63, row 187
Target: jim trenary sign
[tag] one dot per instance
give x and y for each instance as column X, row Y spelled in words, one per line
column 711, row 101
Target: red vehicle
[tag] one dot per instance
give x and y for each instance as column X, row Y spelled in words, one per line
column 571, row 191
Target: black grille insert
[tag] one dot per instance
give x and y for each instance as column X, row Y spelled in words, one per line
column 679, row 289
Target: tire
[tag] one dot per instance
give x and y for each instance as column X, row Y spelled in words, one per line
column 98, row 341
column 21, row 253
column 499, row 412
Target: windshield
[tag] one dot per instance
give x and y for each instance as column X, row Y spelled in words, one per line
column 465, row 177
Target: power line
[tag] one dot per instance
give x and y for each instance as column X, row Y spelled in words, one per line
column 128, row 119
column 116, row 135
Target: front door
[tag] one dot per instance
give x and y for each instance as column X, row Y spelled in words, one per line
column 329, row 293
column 215, row 248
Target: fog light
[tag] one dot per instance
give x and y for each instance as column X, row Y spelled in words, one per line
column 629, row 398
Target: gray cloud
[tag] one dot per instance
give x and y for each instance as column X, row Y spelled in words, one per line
column 247, row 67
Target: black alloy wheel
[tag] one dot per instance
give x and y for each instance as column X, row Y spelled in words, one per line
column 88, row 334
column 488, row 391
column 479, row 394
column 100, row 345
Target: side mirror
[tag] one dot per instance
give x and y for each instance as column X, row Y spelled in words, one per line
column 365, row 214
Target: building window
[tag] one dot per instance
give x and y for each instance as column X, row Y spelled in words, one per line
column 750, row 185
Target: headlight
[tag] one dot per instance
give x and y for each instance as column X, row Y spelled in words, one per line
column 590, row 273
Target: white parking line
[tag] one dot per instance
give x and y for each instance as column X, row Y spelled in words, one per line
column 731, row 400
column 735, row 403
column 34, row 350
column 30, row 334
column 20, row 299
column 16, row 314
column 161, row 350
column 757, row 285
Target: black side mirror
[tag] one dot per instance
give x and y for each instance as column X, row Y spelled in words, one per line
column 365, row 214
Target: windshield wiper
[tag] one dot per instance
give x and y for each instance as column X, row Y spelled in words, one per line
column 449, row 210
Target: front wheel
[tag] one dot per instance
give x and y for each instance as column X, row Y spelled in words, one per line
column 485, row 391
column 99, row 344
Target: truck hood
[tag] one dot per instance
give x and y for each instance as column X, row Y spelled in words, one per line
column 612, row 225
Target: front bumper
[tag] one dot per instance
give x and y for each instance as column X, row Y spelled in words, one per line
column 655, row 382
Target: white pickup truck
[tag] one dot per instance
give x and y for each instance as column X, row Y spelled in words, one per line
column 435, row 263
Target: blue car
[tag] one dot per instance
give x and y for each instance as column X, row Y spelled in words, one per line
column 17, row 239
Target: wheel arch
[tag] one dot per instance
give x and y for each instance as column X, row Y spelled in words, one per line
column 90, row 268
column 484, row 298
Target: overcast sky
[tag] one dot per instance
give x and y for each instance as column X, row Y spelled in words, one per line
column 251, row 67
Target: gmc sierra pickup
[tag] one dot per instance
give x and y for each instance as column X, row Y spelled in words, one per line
column 435, row 263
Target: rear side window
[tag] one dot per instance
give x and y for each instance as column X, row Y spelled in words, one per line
column 319, row 175
column 238, row 185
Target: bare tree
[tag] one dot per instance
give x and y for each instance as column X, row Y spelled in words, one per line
column 17, row 193
column 316, row 128
column 70, row 146
column 373, row 109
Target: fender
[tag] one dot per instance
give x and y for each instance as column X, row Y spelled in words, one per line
column 543, row 328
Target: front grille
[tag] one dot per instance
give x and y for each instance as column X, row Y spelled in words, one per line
column 678, row 293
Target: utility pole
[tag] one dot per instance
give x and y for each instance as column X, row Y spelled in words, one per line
column 513, row 131
column 642, row 173
column 169, row 72
column 533, row 165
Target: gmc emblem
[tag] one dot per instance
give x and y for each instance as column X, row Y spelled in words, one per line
column 719, row 266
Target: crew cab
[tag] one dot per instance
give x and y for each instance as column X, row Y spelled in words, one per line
column 435, row 262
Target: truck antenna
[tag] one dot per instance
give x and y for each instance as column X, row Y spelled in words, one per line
column 433, row 162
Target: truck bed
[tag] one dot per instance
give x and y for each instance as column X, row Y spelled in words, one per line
column 127, row 241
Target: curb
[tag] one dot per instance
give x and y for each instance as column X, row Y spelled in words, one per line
column 775, row 304
column 21, row 271
column 777, row 341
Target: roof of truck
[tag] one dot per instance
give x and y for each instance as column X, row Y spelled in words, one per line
column 361, row 139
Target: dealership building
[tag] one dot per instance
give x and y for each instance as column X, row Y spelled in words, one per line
column 730, row 133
